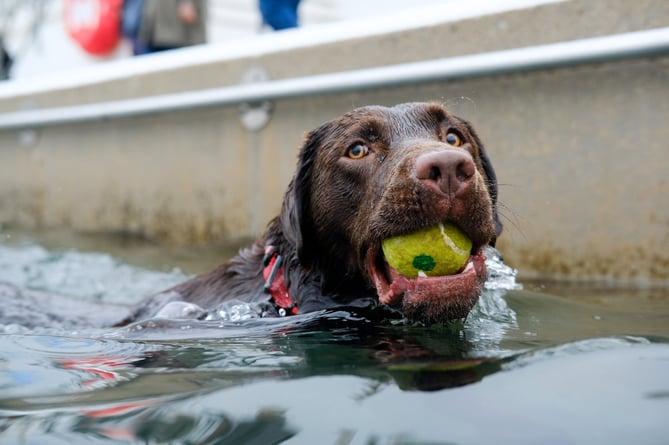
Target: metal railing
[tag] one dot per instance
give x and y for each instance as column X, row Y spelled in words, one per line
column 591, row 50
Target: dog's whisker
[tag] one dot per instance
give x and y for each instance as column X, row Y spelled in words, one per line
column 513, row 219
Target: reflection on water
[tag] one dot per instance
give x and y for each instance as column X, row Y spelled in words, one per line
column 522, row 360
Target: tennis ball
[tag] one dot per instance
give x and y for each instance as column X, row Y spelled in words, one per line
column 436, row 251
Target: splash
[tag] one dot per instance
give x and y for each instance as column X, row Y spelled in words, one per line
column 90, row 276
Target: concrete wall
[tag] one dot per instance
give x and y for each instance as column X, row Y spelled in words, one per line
column 580, row 152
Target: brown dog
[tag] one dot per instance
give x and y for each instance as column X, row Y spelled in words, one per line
column 370, row 174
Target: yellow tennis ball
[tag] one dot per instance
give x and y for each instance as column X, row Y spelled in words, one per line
column 436, row 251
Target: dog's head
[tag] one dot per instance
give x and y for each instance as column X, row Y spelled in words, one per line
column 379, row 172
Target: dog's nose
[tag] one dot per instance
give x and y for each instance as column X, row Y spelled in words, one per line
column 451, row 171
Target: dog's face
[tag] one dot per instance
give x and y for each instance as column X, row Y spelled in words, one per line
column 379, row 172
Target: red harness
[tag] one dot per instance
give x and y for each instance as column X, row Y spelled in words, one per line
column 275, row 284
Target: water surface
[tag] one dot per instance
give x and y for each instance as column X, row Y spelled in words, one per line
column 538, row 363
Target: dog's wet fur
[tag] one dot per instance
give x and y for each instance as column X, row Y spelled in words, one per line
column 370, row 174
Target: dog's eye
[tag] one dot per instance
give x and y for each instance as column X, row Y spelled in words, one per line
column 358, row 151
column 453, row 139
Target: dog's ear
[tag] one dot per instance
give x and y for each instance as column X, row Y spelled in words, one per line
column 295, row 217
column 491, row 179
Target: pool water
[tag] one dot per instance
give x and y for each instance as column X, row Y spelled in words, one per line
column 535, row 363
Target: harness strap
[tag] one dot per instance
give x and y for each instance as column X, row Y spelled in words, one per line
column 275, row 283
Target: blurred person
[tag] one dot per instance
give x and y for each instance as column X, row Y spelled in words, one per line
column 6, row 61
column 170, row 24
column 279, row 14
column 131, row 20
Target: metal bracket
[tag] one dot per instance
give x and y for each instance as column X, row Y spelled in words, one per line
column 255, row 115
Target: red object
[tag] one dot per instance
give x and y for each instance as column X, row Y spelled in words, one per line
column 277, row 286
column 94, row 24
